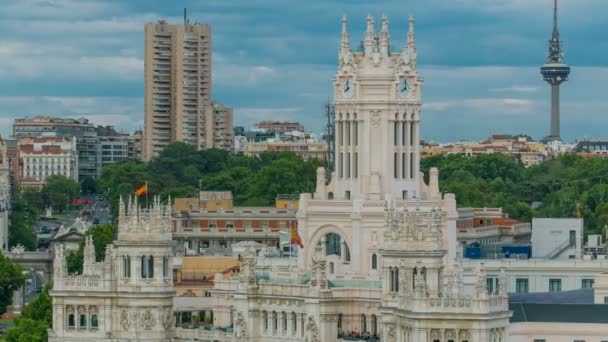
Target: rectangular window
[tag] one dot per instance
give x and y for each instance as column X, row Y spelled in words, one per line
column 572, row 239
column 356, row 133
column 404, row 130
column 555, row 285
column 165, row 267
column 521, row 285
column 539, row 340
column 605, row 300
column 347, row 165
column 404, row 194
column 412, row 165
column 355, row 165
column 212, row 224
column 587, row 283
column 347, row 132
column 396, row 140
column 347, row 195
column 490, row 285
column 396, row 163
column 403, row 166
column 340, row 166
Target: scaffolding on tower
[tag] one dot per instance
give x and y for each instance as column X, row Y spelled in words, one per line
column 329, row 137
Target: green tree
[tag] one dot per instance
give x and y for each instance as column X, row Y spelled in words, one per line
column 103, row 235
column 88, row 185
column 28, row 330
column 61, row 191
column 11, row 279
column 21, row 220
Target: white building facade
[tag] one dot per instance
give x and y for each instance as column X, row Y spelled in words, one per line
column 129, row 295
column 44, row 157
column 379, row 255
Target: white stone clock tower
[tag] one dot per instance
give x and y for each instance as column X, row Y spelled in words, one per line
column 377, row 95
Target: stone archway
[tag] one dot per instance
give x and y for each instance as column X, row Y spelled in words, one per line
column 319, row 233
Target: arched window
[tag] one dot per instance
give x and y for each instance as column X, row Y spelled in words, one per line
column 150, row 267
column 294, row 323
column 374, row 325
column 165, row 267
column 265, row 319
column 144, row 267
column 374, row 261
column 363, row 323
column 275, row 321
column 284, row 321
column 126, row 266
column 394, row 279
column 339, row 323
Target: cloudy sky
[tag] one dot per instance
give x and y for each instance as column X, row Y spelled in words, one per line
column 274, row 59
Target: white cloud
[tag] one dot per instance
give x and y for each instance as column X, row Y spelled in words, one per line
column 516, row 89
column 57, row 8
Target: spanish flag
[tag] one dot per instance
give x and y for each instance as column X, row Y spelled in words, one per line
column 295, row 237
column 142, row 190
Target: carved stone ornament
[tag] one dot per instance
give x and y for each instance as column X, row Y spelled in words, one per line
column 147, row 320
column 241, row 328
column 125, row 322
column 166, row 318
column 376, row 119
column 312, row 331
column 405, row 57
column 390, row 335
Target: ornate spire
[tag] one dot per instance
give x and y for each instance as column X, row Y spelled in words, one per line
column 411, row 38
column 345, row 38
column 369, row 36
column 384, row 37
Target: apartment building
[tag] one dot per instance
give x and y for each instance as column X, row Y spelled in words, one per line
column 84, row 131
column 40, row 158
column 177, row 86
column 223, row 132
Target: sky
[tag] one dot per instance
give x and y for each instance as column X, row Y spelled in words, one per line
column 275, row 59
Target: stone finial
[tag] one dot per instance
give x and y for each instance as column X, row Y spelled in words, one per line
column 384, row 23
column 345, row 38
column 434, row 183
column 320, row 191
column 503, row 283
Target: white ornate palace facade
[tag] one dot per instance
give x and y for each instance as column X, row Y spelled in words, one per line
column 380, row 255
column 129, row 295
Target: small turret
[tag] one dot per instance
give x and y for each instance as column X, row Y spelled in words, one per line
column 345, row 38
column 369, row 36
column 88, row 265
column 384, row 37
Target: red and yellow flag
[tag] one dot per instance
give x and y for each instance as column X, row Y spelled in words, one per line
column 142, row 190
column 295, row 237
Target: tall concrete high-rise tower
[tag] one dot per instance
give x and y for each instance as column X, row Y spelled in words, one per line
column 177, row 86
column 555, row 72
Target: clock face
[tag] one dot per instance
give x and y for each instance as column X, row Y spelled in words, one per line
column 348, row 88
column 404, row 89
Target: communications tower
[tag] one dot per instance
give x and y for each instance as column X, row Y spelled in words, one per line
column 555, row 72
